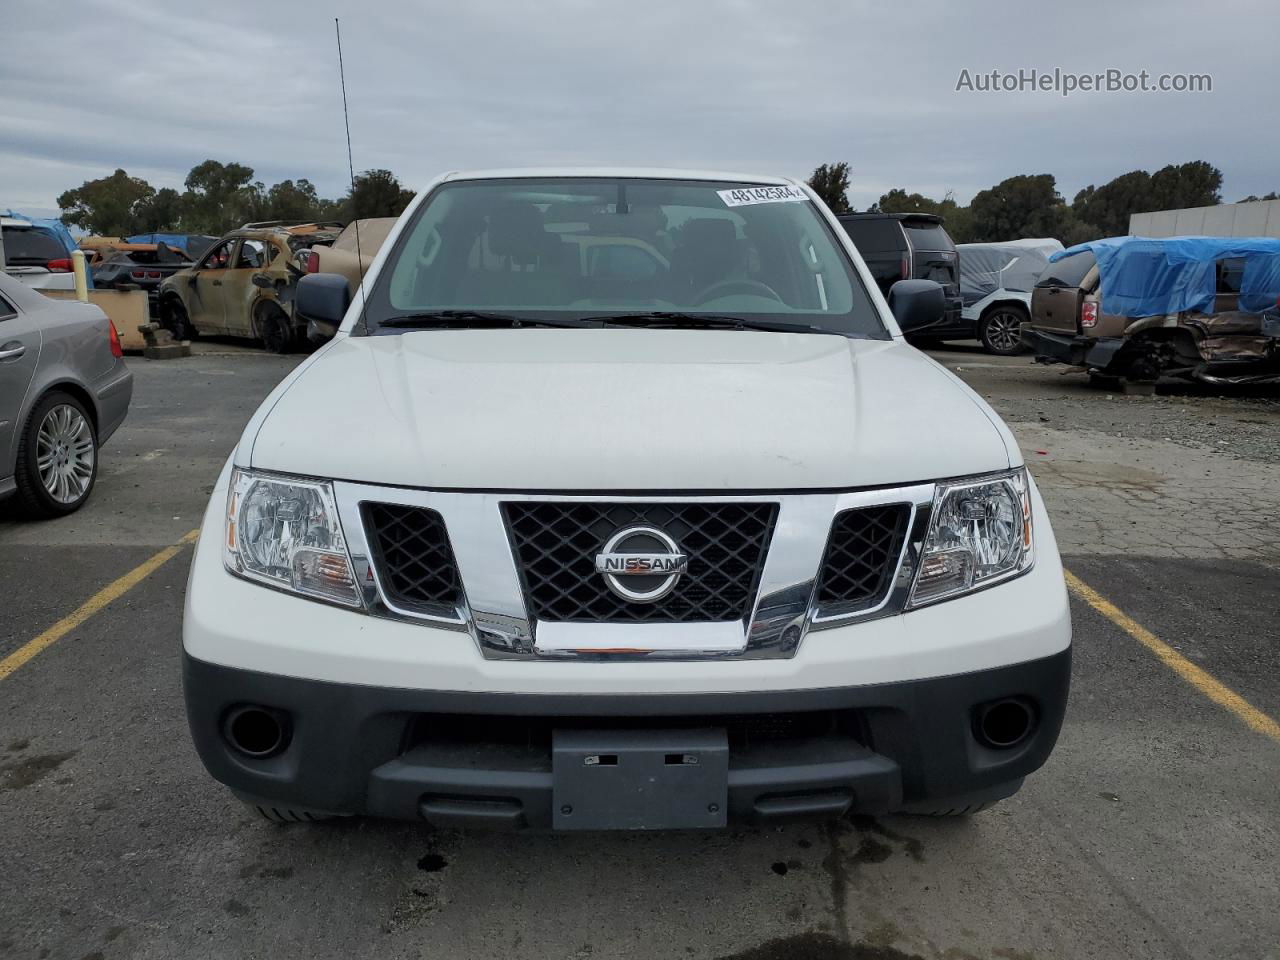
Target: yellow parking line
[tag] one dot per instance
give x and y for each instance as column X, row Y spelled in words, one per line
column 112, row 591
column 1199, row 678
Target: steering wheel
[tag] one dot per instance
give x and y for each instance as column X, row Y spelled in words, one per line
column 726, row 287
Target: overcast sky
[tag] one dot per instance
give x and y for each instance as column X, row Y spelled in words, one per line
column 768, row 87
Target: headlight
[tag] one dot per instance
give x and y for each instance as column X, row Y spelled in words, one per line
column 980, row 533
column 286, row 533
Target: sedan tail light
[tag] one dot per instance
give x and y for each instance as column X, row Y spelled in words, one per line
column 1088, row 314
column 116, row 349
column 59, row 266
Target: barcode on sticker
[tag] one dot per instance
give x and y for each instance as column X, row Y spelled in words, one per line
column 742, row 196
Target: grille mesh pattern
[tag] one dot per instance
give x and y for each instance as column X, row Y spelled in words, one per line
column 415, row 562
column 556, row 546
column 862, row 555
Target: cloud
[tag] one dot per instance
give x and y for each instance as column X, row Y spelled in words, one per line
column 733, row 84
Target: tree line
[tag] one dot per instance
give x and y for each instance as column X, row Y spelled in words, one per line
column 218, row 197
column 1029, row 205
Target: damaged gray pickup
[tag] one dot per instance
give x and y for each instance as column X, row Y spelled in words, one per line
column 1203, row 308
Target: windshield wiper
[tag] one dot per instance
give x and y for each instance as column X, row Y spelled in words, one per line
column 455, row 319
column 703, row 321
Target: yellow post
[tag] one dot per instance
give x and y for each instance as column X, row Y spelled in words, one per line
column 81, row 274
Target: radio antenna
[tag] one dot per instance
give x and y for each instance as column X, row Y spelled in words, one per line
column 351, row 168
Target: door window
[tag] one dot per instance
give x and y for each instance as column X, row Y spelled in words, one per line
column 252, row 255
column 218, row 257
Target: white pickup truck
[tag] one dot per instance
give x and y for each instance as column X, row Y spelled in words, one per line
column 620, row 502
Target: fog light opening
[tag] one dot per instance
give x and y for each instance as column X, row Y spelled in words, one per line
column 1004, row 723
column 256, row 731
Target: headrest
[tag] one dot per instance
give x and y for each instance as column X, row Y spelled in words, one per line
column 516, row 230
column 709, row 232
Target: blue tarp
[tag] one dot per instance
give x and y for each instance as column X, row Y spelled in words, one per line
column 1145, row 276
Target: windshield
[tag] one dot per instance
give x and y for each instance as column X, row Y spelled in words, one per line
column 587, row 249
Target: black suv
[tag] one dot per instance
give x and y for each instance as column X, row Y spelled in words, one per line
column 911, row 246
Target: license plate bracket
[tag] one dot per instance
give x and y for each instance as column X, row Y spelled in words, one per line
column 639, row 779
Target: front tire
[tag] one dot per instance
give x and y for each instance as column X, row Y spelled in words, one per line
column 57, row 457
column 177, row 322
column 1000, row 330
column 277, row 337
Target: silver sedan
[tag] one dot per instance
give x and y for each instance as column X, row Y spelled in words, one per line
column 64, row 389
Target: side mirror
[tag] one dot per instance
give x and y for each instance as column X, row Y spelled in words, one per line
column 917, row 304
column 322, row 298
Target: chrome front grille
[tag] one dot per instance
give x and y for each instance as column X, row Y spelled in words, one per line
column 517, row 571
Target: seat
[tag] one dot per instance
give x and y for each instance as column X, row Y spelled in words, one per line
column 530, row 268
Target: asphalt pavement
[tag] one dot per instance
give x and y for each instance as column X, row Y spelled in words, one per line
column 1152, row 832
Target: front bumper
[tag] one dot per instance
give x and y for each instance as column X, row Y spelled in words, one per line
column 409, row 719
column 465, row 758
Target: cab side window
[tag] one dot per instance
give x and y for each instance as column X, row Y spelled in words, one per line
column 218, row 257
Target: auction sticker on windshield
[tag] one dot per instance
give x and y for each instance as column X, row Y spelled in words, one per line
column 743, row 196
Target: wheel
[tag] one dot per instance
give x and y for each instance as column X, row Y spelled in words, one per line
column 57, row 457
column 177, row 322
column 277, row 337
column 1000, row 330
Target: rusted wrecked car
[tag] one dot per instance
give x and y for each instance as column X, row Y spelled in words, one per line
column 349, row 255
column 243, row 285
column 1138, row 308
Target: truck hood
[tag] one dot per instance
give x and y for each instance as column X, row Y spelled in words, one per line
column 627, row 410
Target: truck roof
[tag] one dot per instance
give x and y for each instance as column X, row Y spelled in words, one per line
column 923, row 217
column 646, row 173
